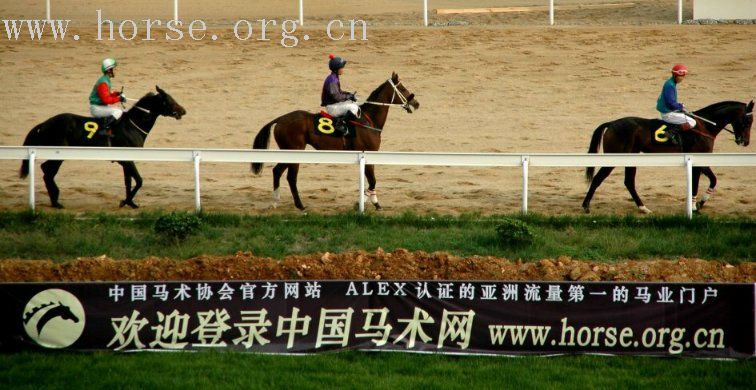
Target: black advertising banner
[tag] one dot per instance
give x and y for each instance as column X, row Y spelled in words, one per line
column 509, row 318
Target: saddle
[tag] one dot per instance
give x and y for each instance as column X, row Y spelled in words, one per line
column 339, row 127
column 669, row 134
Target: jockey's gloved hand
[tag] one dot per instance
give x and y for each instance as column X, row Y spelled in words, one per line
column 353, row 96
column 123, row 98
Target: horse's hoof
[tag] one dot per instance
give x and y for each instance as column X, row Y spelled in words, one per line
column 645, row 210
column 700, row 205
column 57, row 205
column 378, row 207
column 586, row 209
column 129, row 203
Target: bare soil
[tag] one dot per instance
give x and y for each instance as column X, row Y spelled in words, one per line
column 399, row 264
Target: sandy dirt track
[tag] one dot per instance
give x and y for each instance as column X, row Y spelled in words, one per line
column 504, row 83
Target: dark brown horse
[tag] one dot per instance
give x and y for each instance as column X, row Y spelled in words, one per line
column 75, row 130
column 637, row 135
column 296, row 130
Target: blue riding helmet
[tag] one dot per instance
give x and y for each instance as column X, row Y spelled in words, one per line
column 336, row 63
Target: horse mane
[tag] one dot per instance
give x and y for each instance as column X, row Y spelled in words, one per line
column 142, row 99
column 374, row 95
column 717, row 106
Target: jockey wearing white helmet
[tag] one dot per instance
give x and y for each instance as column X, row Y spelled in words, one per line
column 101, row 98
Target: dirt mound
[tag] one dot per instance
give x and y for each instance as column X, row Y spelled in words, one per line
column 399, row 264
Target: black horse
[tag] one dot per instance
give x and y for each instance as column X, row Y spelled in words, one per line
column 75, row 130
column 638, row 135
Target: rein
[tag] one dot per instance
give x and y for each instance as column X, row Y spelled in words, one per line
column 141, row 109
column 137, row 107
column 725, row 127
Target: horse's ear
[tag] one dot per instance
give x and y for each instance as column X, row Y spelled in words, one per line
column 394, row 77
column 160, row 91
column 750, row 107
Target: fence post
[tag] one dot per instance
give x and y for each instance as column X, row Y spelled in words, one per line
column 175, row 11
column 301, row 13
column 197, row 202
column 47, row 10
column 679, row 11
column 551, row 12
column 689, row 192
column 361, row 201
column 32, row 157
column 425, row 12
column 525, row 163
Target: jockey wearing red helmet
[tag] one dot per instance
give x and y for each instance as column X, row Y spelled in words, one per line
column 671, row 110
column 680, row 70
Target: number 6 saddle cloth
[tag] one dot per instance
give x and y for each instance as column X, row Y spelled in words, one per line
column 668, row 134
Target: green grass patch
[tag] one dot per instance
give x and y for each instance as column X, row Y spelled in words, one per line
column 62, row 236
column 362, row 370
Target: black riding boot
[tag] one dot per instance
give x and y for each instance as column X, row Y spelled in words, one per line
column 107, row 127
column 674, row 135
column 341, row 126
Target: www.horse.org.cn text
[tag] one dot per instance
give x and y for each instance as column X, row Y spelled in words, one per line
column 150, row 30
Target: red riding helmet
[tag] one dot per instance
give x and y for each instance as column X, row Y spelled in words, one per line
column 680, row 70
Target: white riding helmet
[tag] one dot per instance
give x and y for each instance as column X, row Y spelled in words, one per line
column 108, row 64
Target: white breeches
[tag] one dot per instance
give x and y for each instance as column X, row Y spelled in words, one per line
column 340, row 109
column 105, row 111
column 678, row 118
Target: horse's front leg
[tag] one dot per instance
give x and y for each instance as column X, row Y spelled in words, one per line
column 130, row 171
column 695, row 181
column 370, row 175
column 709, row 191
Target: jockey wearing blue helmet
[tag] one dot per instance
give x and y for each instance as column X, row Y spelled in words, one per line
column 337, row 102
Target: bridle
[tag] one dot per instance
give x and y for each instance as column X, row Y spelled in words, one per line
column 404, row 104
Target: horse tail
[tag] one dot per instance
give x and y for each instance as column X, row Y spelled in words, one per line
column 262, row 141
column 31, row 139
column 24, row 171
column 598, row 134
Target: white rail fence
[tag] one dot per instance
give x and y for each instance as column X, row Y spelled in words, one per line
column 522, row 161
column 425, row 11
